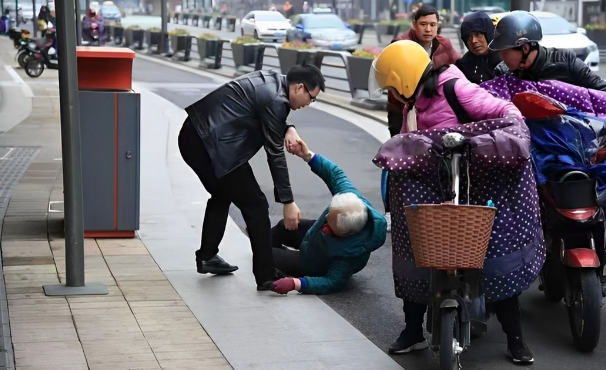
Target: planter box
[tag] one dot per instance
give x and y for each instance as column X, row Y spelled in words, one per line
column 137, row 39
column 181, row 44
column 118, row 35
column 210, row 52
column 107, row 33
column 152, row 39
column 128, row 37
column 206, row 21
column 599, row 37
column 218, row 22
column 230, row 23
column 247, row 57
column 291, row 57
column 386, row 30
column 358, row 70
column 359, row 29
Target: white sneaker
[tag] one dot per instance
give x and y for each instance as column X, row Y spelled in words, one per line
column 388, row 219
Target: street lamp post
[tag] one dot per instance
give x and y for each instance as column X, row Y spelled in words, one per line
column 72, row 166
column 164, row 32
column 520, row 5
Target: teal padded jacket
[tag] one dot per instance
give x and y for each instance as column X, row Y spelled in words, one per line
column 329, row 260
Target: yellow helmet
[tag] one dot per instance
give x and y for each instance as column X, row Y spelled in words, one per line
column 496, row 17
column 400, row 65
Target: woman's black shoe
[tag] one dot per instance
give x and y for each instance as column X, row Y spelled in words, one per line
column 518, row 351
column 216, row 265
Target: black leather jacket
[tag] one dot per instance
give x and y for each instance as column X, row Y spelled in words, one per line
column 558, row 64
column 242, row 116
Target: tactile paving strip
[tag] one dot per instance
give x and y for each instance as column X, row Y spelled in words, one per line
column 14, row 163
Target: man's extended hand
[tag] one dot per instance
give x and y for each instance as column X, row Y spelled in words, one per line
column 292, row 215
column 290, row 140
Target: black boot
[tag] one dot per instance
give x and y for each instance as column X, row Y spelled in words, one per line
column 509, row 315
column 214, row 265
column 411, row 338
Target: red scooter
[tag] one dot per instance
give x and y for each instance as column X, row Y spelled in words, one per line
column 573, row 225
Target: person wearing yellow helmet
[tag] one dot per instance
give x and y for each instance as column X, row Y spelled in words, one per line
column 439, row 99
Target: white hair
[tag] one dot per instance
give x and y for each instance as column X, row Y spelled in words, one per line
column 352, row 213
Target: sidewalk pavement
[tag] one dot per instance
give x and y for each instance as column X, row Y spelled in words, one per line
column 159, row 313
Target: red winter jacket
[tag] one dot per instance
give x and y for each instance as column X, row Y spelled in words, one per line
column 442, row 53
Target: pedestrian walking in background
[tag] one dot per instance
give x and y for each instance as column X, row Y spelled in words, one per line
column 223, row 131
column 43, row 19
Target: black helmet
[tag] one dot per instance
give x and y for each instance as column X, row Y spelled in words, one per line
column 516, row 29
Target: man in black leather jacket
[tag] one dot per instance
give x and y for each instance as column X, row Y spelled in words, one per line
column 517, row 36
column 223, row 131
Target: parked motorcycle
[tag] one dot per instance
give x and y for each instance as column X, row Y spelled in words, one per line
column 40, row 59
column 18, row 35
column 28, row 47
column 573, row 225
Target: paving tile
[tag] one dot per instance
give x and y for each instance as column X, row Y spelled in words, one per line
column 55, row 353
column 169, row 324
column 121, row 359
column 194, row 363
column 33, row 269
column 97, row 348
column 117, row 247
column 199, row 355
column 43, row 335
column 54, row 367
column 98, row 305
column 140, row 365
column 142, row 304
column 148, row 290
column 90, row 247
column 160, row 338
column 106, row 334
column 182, row 347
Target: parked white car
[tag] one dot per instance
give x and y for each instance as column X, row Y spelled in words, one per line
column 265, row 25
column 560, row 34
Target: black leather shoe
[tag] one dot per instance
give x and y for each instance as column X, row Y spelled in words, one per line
column 518, row 351
column 216, row 265
column 267, row 285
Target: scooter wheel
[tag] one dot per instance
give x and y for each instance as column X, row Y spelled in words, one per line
column 34, row 68
column 584, row 307
column 449, row 339
column 22, row 58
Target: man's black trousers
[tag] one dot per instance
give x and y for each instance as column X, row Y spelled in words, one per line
column 239, row 187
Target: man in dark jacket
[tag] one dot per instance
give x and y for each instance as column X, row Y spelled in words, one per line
column 224, row 130
column 479, row 63
column 424, row 32
column 517, row 38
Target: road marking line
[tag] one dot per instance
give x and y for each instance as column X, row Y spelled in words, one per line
column 27, row 91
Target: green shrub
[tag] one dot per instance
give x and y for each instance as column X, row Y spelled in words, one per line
column 208, row 36
column 297, row 45
column 154, row 29
column 369, row 52
column 246, row 40
column 179, row 32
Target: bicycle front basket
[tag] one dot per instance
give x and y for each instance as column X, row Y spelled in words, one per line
column 449, row 236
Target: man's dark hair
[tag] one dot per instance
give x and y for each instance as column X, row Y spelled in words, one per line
column 425, row 11
column 306, row 74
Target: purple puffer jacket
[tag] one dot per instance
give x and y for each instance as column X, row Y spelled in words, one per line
column 499, row 170
column 580, row 98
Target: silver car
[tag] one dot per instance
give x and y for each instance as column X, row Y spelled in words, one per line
column 324, row 31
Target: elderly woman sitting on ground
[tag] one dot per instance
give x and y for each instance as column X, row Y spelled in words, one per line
column 323, row 254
